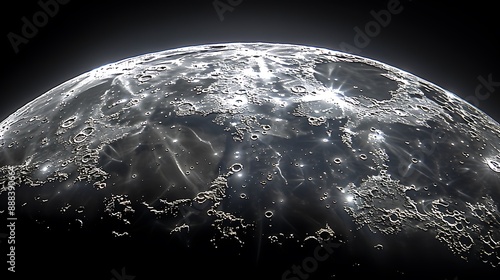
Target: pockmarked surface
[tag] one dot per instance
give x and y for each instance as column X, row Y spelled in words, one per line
column 260, row 151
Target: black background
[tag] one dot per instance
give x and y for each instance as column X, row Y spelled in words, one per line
column 449, row 43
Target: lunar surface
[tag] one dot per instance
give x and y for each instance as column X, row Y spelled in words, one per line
column 270, row 160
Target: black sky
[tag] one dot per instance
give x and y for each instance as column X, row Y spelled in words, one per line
column 450, row 43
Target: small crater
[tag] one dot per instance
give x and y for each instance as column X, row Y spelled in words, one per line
column 298, row 89
column 69, row 122
column 268, row 214
column 237, row 167
column 494, row 165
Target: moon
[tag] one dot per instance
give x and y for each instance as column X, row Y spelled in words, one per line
column 282, row 160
